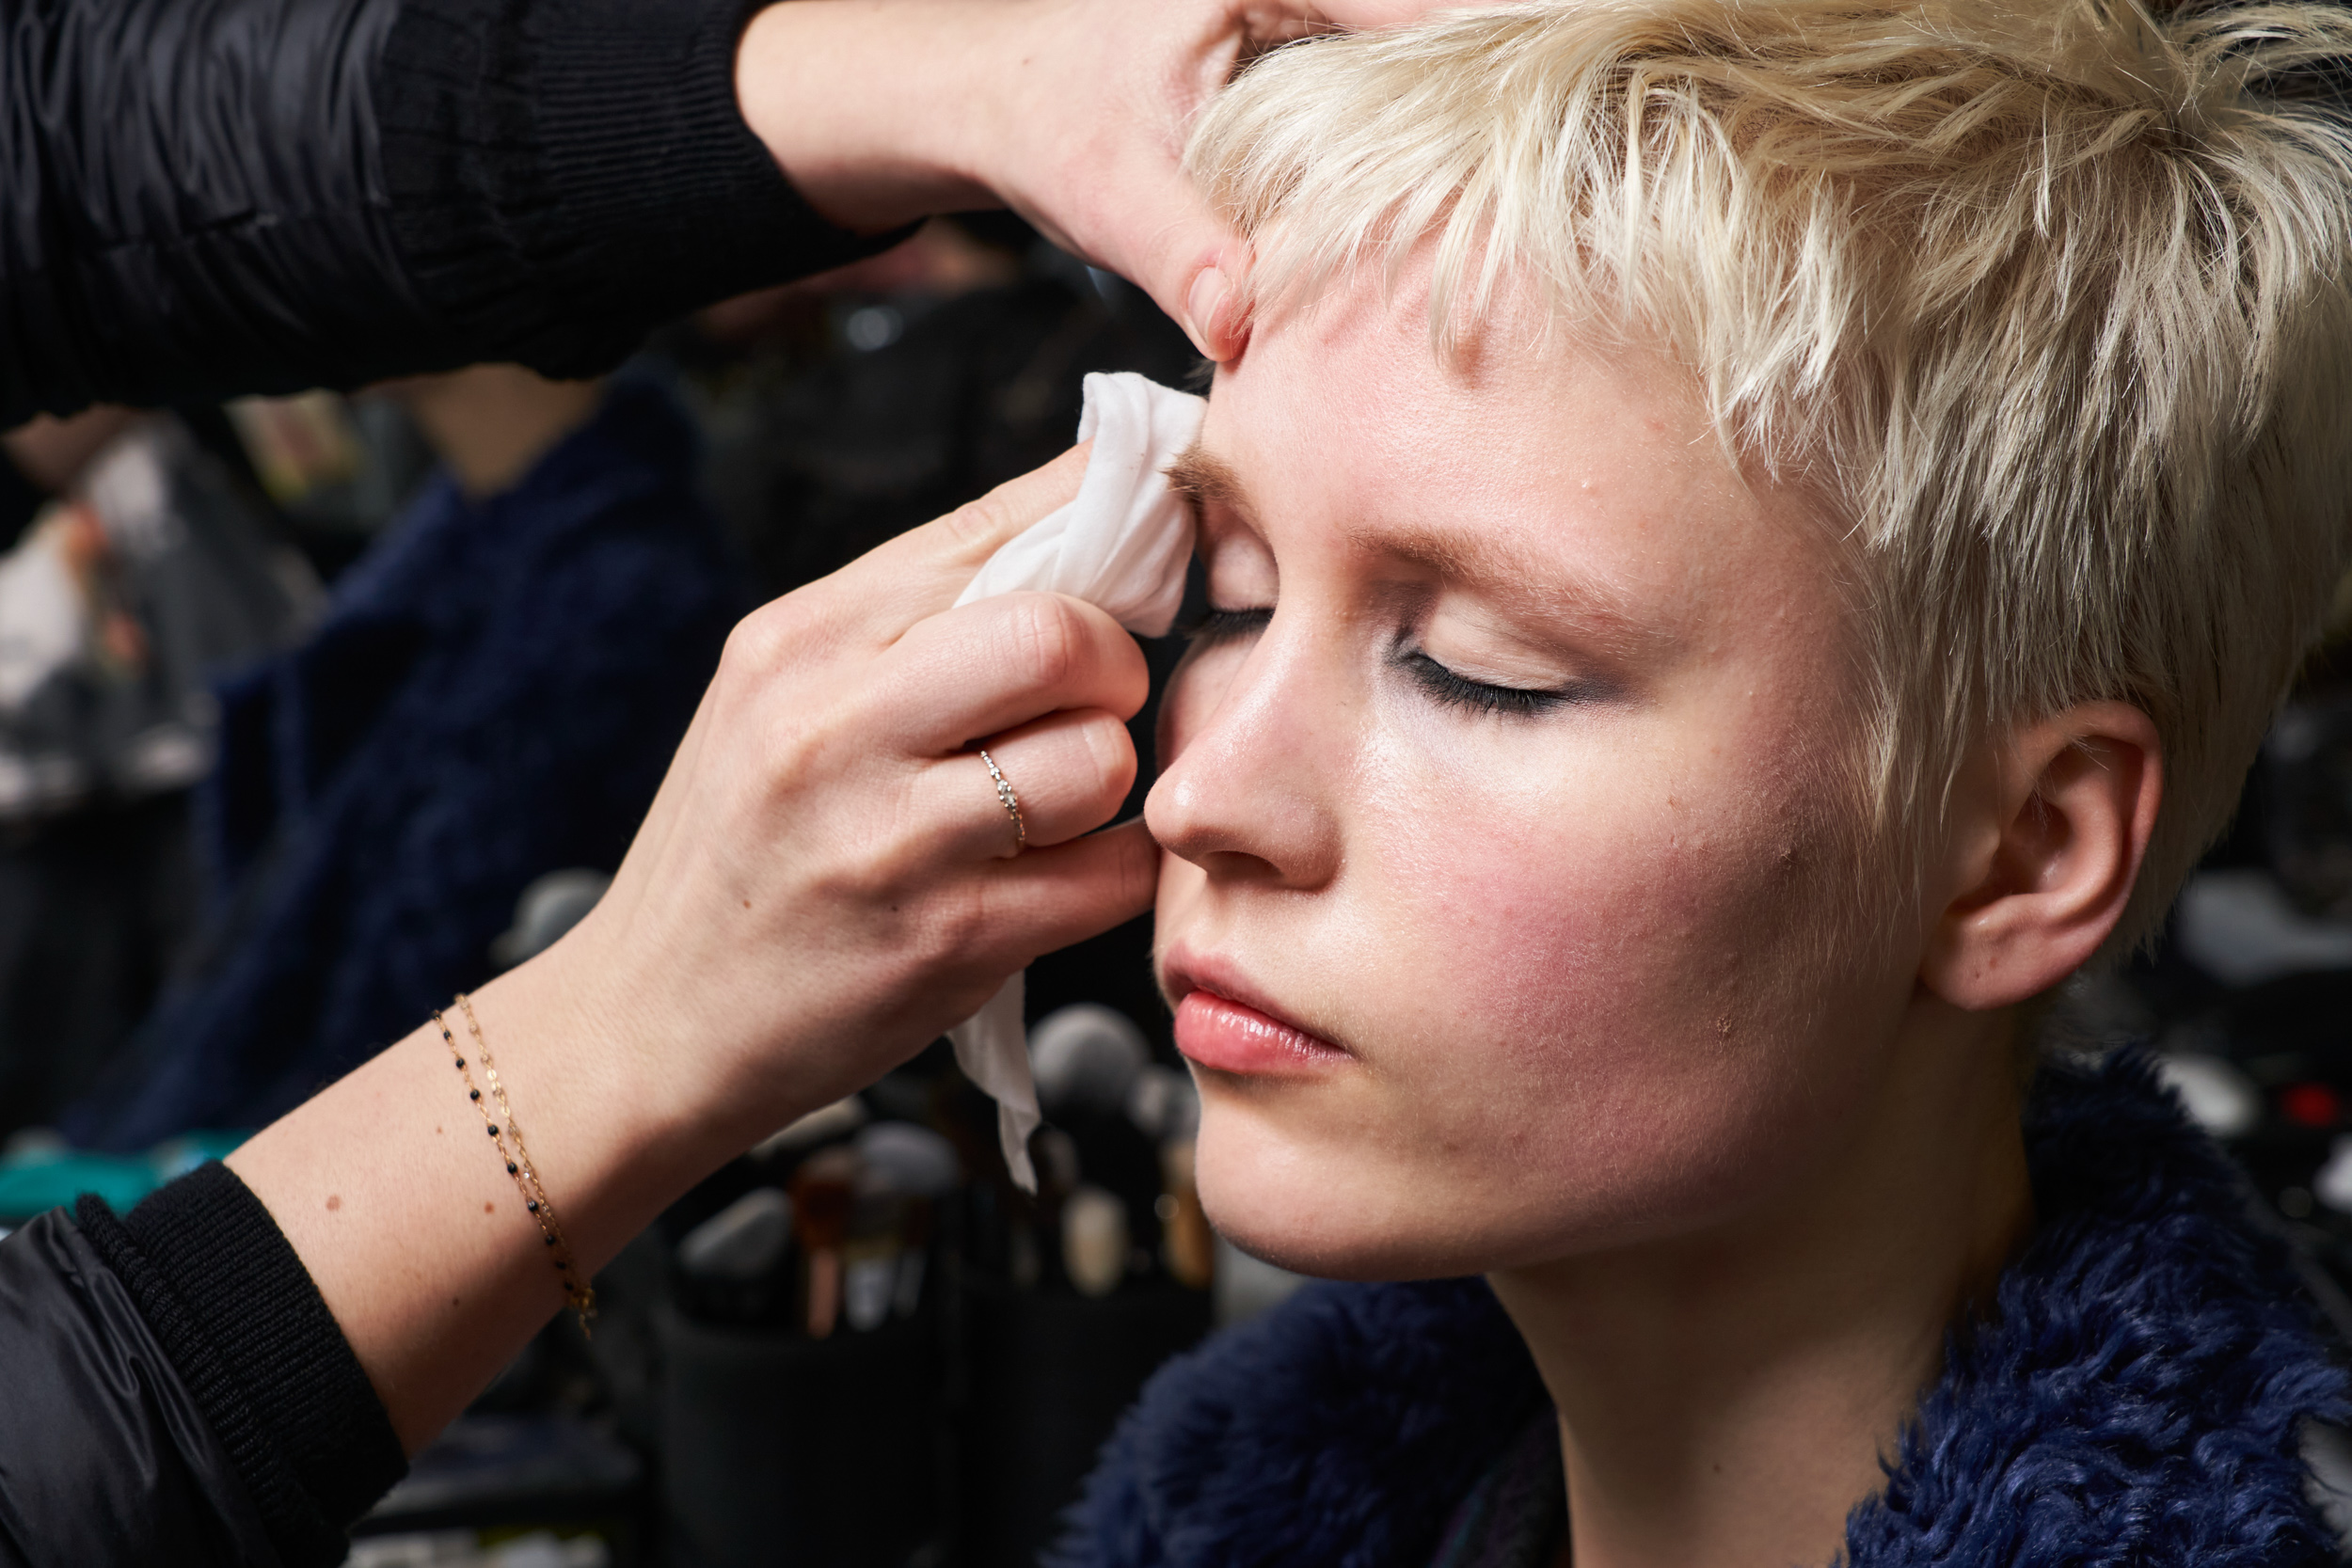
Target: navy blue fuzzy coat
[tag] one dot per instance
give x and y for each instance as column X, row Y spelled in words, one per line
column 2141, row 1398
column 494, row 694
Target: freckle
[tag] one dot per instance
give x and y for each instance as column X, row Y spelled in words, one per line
column 334, row 1200
column 747, row 903
column 489, row 1208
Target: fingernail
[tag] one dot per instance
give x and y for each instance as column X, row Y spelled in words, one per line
column 1201, row 305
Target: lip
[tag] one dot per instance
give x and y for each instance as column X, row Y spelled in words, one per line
column 1226, row 1024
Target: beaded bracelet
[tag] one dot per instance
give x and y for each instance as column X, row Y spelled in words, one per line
column 509, row 1138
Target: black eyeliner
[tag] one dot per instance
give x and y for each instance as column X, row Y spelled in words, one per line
column 1215, row 625
column 1457, row 690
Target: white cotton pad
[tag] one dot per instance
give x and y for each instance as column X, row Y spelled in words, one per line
column 1123, row 544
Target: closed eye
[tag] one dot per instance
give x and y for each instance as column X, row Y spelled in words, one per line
column 1225, row 626
column 1457, row 691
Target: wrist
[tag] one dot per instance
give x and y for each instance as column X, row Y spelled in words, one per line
column 614, row 1137
column 869, row 105
column 660, row 1075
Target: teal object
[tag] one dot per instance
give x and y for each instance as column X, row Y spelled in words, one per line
column 47, row 1175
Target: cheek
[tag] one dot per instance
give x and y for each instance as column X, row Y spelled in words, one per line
column 1613, row 983
column 1591, row 898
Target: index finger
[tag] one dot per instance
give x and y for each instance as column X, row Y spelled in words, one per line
column 920, row 573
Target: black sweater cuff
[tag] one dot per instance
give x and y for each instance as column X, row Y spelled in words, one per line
column 566, row 174
column 254, row 1343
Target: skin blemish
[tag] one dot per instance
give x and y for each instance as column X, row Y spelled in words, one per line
column 334, row 1201
column 489, row 1208
column 747, row 903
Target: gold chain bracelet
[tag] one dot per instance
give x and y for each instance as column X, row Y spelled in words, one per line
column 499, row 1117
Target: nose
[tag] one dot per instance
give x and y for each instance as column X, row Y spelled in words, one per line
column 1253, row 745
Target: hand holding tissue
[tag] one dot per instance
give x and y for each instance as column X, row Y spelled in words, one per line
column 1123, row 545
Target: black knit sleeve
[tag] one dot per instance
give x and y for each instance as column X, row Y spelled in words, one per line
column 563, row 174
column 254, row 1346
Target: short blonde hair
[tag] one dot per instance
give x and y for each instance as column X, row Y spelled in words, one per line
column 2047, row 300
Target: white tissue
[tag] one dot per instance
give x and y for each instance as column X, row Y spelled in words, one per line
column 1123, row 544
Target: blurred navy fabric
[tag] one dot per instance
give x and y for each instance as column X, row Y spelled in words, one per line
column 495, row 693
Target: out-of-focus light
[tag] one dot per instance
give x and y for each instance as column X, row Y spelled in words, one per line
column 2310, row 1104
column 2219, row 1098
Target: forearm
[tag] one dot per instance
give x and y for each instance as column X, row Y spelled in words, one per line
column 878, row 107
column 398, row 1203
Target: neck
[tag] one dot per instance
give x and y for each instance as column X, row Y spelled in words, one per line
column 491, row 422
column 1725, row 1397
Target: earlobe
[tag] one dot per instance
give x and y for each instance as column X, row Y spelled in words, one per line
column 2047, row 849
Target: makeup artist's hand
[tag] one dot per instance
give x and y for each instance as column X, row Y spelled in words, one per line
column 827, row 879
column 823, row 885
column 1071, row 112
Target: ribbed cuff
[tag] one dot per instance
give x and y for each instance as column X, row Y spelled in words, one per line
column 254, row 1343
column 566, row 174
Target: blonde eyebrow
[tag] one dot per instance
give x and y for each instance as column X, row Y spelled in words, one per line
column 1202, row 478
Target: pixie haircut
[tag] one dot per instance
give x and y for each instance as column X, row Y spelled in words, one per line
column 2045, row 303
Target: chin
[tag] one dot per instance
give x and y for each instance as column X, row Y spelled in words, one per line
column 1336, row 1209
column 1358, row 1194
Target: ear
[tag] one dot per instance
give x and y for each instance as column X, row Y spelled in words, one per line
column 2046, row 844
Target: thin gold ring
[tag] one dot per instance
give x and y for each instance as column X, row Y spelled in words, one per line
column 1011, row 802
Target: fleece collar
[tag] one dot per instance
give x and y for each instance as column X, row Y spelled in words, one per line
column 2138, row 1400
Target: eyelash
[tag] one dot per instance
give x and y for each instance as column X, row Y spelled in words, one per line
column 1223, row 626
column 1449, row 689
column 1452, row 690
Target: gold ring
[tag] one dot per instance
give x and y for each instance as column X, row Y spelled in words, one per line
column 1011, row 802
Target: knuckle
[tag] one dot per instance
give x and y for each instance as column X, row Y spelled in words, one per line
column 750, row 647
column 764, row 640
column 957, row 924
column 1111, row 754
column 1050, row 644
column 975, row 523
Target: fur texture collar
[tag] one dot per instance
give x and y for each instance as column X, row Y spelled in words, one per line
column 2139, row 1401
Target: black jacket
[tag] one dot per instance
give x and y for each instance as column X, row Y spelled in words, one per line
column 205, row 198
column 174, row 1390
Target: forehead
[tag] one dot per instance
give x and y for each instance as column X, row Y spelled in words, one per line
column 1535, row 450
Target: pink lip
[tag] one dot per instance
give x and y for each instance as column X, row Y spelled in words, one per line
column 1217, row 1029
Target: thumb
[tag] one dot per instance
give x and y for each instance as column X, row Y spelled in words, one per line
column 1192, row 264
column 1216, row 302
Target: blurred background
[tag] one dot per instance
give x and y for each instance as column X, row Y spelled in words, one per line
column 314, row 711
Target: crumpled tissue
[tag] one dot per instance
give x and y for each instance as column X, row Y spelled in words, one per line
column 1123, row 544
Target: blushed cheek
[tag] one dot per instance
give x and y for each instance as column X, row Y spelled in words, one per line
column 1539, row 950
column 1613, row 980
